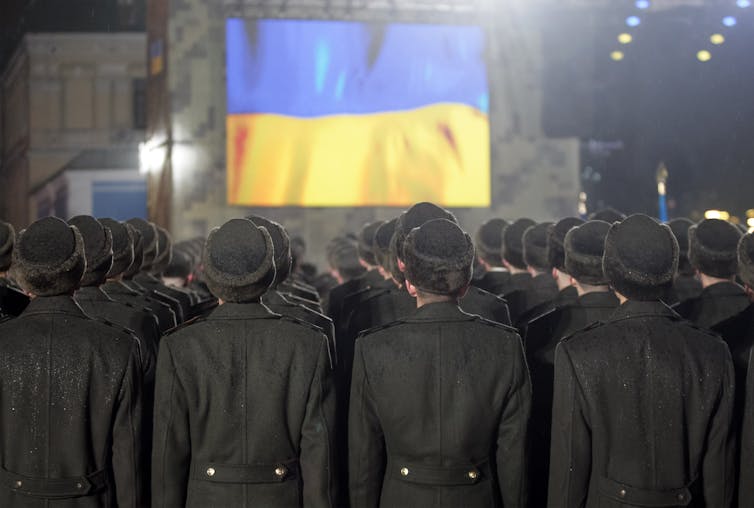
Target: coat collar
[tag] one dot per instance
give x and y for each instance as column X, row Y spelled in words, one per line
column 599, row 299
column 62, row 304
column 118, row 288
column 637, row 308
column 92, row 294
column 274, row 297
column 722, row 289
column 251, row 310
column 440, row 311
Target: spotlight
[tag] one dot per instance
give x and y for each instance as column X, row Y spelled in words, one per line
column 704, row 55
column 743, row 3
column 717, row 214
column 642, row 4
column 617, row 56
column 625, row 38
column 729, row 21
column 636, row 21
column 717, row 39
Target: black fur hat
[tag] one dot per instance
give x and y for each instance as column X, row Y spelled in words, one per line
column 281, row 243
column 149, row 239
column 641, row 258
column 49, row 258
column 180, row 265
column 513, row 242
column 713, row 247
column 746, row 259
column 608, row 215
column 366, row 242
column 382, row 239
column 584, row 249
column 239, row 261
column 345, row 259
column 98, row 249
column 680, row 228
column 164, row 253
column 489, row 241
column 439, row 257
column 535, row 246
column 7, row 239
column 123, row 245
column 138, row 244
column 555, row 239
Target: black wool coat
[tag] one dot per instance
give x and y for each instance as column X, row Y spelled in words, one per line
column 71, row 406
column 243, row 413
column 162, row 311
column 438, row 413
column 715, row 304
column 12, row 300
column 496, row 282
column 641, row 416
column 155, row 286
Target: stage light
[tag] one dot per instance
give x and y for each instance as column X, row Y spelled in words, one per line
column 642, row 4
column 729, row 21
column 704, row 55
column 716, row 214
column 750, row 213
column 150, row 157
column 634, row 21
column 743, row 3
column 625, row 38
column 750, row 223
column 717, row 39
column 617, row 55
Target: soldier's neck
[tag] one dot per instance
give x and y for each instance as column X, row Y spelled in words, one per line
column 708, row 280
column 584, row 289
column 423, row 299
column 515, row 271
column 563, row 280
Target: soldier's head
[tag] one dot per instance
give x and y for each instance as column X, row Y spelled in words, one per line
column 239, row 261
column 382, row 253
column 512, row 250
column 535, row 249
column 49, row 258
column 489, row 242
column 98, row 249
column 556, row 251
column 438, row 261
column 713, row 246
column 365, row 245
column 344, row 261
column 414, row 217
column 149, row 242
column 138, row 244
column 164, row 252
column 177, row 273
column 641, row 258
column 608, row 215
column 7, row 240
column 282, row 245
column 746, row 263
column 584, row 248
column 680, row 228
column 123, row 246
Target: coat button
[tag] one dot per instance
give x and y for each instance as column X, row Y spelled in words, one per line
column 19, row 484
column 473, row 475
column 404, row 471
column 79, row 486
column 681, row 497
column 211, row 471
column 280, row 471
column 622, row 493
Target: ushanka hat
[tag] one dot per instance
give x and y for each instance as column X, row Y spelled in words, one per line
column 608, row 215
column 164, row 253
column 641, row 257
column 49, row 258
column 281, row 244
column 239, row 261
column 382, row 238
column 713, row 248
column 7, row 239
column 98, row 249
column 345, row 260
column 746, row 259
column 439, row 257
column 138, row 244
column 535, row 246
column 180, row 265
column 149, row 239
column 366, row 242
column 513, row 242
column 123, row 246
column 556, row 237
column 584, row 249
column 489, row 241
column 680, row 228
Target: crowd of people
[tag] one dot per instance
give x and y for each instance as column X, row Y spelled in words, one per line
column 598, row 363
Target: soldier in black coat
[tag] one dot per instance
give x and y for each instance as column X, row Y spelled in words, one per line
column 542, row 292
column 745, row 321
column 583, row 246
column 440, row 399
column 244, row 403
column 686, row 285
column 70, row 388
column 12, row 300
column 643, row 403
column 513, row 259
column 488, row 242
column 556, row 259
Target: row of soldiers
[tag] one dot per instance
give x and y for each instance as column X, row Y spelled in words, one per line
column 587, row 360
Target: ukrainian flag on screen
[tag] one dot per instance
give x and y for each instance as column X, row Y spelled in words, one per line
column 330, row 113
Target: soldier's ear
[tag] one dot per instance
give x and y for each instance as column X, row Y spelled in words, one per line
column 410, row 288
column 555, row 273
column 401, row 265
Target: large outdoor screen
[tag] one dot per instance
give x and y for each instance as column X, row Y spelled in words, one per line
column 329, row 113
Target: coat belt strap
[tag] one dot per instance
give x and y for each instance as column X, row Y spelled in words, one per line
column 247, row 473
column 55, row 488
column 645, row 497
column 462, row 474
